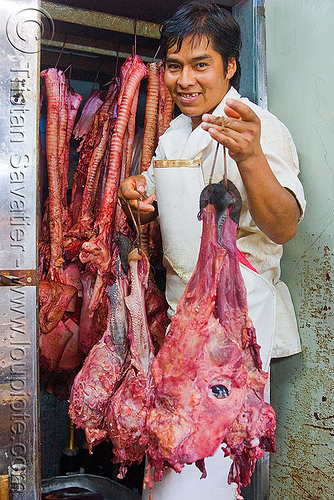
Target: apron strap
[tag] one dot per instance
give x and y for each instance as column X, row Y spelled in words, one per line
column 192, row 162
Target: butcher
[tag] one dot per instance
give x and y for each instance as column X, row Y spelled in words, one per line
column 219, row 131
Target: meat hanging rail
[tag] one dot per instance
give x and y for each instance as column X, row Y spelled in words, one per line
column 120, row 31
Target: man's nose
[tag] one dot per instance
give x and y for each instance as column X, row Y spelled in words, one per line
column 186, row 77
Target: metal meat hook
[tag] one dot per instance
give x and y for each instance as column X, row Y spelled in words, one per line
column 214, row 164
column 136, row 222
column 225, row 167
column 215, row 160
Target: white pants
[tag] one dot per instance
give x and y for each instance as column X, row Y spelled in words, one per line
column 188, row 485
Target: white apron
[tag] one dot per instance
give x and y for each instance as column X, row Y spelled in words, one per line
column 178, row 186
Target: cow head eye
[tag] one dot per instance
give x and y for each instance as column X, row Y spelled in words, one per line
column 220, row 391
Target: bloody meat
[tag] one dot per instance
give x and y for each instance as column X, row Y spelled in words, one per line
column 208, row 379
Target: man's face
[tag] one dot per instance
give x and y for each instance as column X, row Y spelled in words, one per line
column 195, row 78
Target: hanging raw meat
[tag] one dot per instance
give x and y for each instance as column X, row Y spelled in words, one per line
column 87, row 205
column 208, row 379
column 78, row 253
column 158, row 114
column 56, row 251
column 91, row 107
column 103, row 368
column 128, row 407
column 128, row 92
column 134, row 71
column 54, row 82
column 165, row 111
column 156, row 311
column 54, row 301
column 58, row 344
column 151, row 112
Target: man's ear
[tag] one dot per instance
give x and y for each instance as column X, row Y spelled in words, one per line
column 231, row 68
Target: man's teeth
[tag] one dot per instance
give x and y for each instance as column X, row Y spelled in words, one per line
column 190, row 95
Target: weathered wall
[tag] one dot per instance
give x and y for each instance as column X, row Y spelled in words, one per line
column 300, row 41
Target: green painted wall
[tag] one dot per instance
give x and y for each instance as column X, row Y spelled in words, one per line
column 300, row 61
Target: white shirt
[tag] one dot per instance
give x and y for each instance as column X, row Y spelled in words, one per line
column 181, row 142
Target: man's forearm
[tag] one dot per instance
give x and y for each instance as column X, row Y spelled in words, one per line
column 274, row 209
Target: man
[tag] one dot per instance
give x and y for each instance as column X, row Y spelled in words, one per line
column 200, row 45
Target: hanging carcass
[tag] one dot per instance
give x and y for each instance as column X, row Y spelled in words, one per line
column 208, row 379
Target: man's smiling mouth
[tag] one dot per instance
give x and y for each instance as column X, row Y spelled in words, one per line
column 188, row 95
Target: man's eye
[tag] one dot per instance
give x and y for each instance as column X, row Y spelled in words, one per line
column 173, row 67
column 201, row 65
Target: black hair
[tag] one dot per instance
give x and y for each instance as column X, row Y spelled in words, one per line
column 199, row 18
